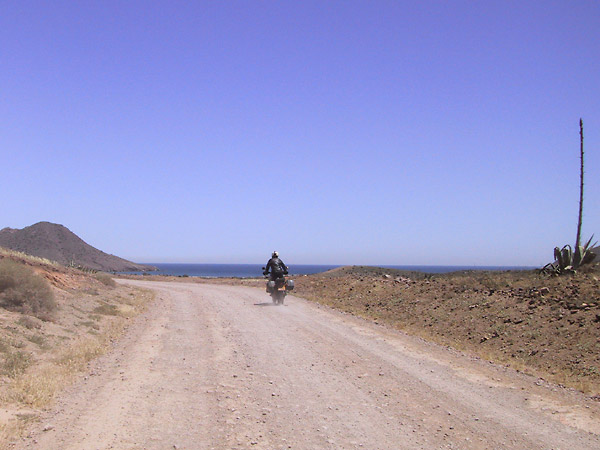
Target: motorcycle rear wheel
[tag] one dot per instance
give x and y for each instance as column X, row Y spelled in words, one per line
column 278, row 297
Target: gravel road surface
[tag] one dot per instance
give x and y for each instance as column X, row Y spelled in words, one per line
column 219, row 367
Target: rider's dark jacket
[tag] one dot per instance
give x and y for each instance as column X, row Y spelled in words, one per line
column 277, row 267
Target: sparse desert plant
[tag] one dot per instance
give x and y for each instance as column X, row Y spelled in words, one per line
column 15, row 363
column 105, row 279
column 22, row 290
column 107, row 309
column 24, row 256
column 567, row 260
column 73, row 265
column 37, row 388
column 28, row 322
column 39, row 340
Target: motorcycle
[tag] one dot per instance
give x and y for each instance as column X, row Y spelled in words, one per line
column 279, row 287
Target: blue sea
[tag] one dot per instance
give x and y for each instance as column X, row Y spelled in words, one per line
column 255, row 270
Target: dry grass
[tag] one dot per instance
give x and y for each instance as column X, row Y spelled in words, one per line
column 8, row 431
column 38, row 358
column 13, row 254
column 15, row 363
column 38, row 387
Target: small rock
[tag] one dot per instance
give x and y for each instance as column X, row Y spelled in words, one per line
column 48, row 427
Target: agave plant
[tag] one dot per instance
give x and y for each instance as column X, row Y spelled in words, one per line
column 568, row 261
column 584, row 254
column 565, row 259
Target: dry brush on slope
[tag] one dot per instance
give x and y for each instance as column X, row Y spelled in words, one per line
column 40, row 353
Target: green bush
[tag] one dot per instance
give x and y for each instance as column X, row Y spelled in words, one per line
column 22, row 290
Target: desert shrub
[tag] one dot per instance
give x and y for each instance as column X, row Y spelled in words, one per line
column 15, row 364
column 38, row 340
column 22, row 290
column 105, row 279
column 29, row 322
column 4, row 346
column 107, row 309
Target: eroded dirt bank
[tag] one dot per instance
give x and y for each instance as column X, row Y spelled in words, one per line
column 548, row 326
column 218, row 367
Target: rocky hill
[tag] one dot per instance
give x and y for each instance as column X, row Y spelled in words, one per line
column 57, row 243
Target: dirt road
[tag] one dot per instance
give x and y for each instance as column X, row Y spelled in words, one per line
column 219, row 367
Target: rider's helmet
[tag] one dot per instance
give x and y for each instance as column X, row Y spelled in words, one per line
column 275, row 255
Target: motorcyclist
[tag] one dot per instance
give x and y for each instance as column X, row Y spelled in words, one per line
column 277, row 267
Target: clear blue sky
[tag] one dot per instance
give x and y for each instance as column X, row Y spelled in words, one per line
column 337, row 132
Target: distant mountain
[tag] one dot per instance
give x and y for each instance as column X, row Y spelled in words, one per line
column 58, row 243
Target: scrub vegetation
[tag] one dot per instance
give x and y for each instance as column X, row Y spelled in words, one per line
column 53, row 321
column 24, row 291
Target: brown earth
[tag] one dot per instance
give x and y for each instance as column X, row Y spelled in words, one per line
column 57, row 243
column 547, row 326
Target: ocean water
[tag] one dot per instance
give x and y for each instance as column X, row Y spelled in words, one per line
column 255, row 270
